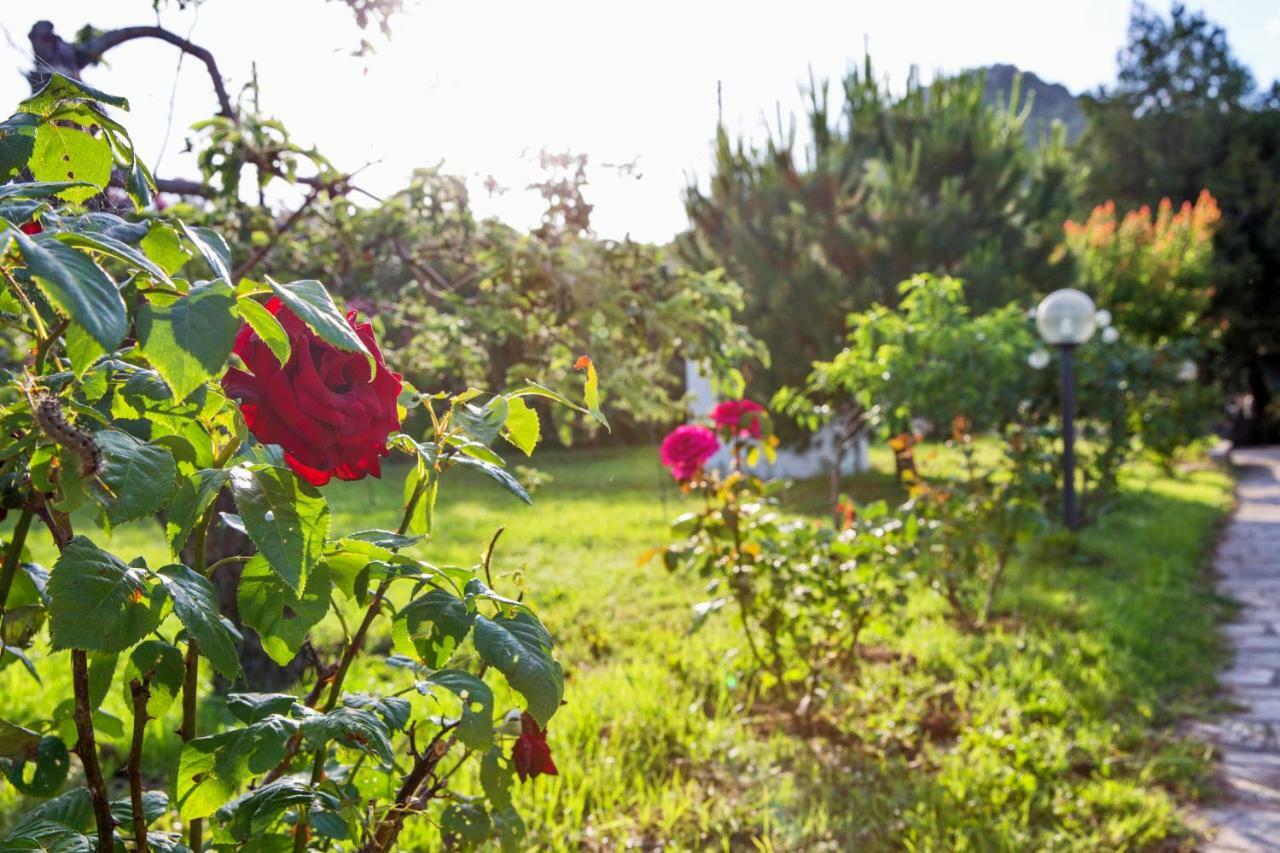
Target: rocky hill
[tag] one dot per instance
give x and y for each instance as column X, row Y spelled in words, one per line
column 1049, row 101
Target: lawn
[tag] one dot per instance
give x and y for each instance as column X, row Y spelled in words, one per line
column 1054, row 729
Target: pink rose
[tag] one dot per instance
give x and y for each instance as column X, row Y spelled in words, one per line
column 738, row 417
column 686, row 448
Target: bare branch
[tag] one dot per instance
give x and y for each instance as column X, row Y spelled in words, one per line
column 92, row 52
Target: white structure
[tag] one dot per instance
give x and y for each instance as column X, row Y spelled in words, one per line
column 814, row 461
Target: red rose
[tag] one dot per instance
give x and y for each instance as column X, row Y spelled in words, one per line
column 738, row 417
column 530, row 754
column 320, row 406
column 687, row 448
column 31, row 228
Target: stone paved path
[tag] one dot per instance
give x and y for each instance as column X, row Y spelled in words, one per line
column 1248, row 562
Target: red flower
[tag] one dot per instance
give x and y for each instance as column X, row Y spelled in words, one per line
column 530, row 754
column 687, row 448
column 31, row 227
column 738, row 417
column 321, row 406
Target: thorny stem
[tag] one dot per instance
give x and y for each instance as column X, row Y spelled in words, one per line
column 141, row 693
column 87, row 749
column 301, row 830
column 385, row 833
column 41, row 332
column 191, row 680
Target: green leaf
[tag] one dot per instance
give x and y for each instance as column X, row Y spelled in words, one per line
column 475, row 728
column 16, row 740
column 59, row 89
column 286, row 518
column 102, row 673
column 194, row 497
column 520, row 648
column 384, row 539
column 522, row 427
column 267, row 327
column 499, row 475
column 78, row 287
column 36, row 189
column 48, row 768
column 314, row 306
column 68, row 153
column 496, row 778
column 163, row 245
column 212, row 768
column 188, row 339
column 140, row 476
column 160, row 664
column 97, row 602
column 466, row 821
column 482, row 422
column 252, row 814
column 114, row 248
column 82, row 349
column 252, row 707
column 393, row 710
column 279, row 616
column 432, row 627
column 212, row 248
column 195, row 601
column 357, row 728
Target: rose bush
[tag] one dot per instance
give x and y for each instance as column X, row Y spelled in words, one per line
column 321, row 405
column 139, row 376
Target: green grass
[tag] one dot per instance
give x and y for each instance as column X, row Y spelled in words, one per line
column 1053, row 730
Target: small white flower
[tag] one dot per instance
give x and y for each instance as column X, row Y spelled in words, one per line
column 1188, row 372
column 1039, row 359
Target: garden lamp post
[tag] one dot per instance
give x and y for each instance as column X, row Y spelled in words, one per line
column 1066, row 318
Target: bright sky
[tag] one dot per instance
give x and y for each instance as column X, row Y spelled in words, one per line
column 484, row 84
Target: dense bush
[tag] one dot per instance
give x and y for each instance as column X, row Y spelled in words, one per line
column 152, row 381
column 803, row 592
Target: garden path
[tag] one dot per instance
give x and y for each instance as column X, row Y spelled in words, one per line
column 1248, row 564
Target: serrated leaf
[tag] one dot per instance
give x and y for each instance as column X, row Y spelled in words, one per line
column 213, row 767
column 393, row 710
column 499, row 474
column 482, row 422
column 267, row 327
column 286, row 518
column 65, row 152
column 192, row 500
column 357, row 728
column 212, row 248
column 252, row 707
column 313, row 305
column 140, row 476
column 160, row 664
column 467, row 822
column 78, row 287
column 281, row 618
column 522, row 427
column 188, row 339
column 163, row 246
column 496, row 778
column 102, row 673
column 475, row 727
column 82, row 349
column 98, row 603
column 250, row 815
column 59, row 89
column 195, row 602
column 432, row 627
column 110, row 246
column 520, row 648
column 16, row 740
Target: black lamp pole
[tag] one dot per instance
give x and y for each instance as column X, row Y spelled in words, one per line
column 1069, row 436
